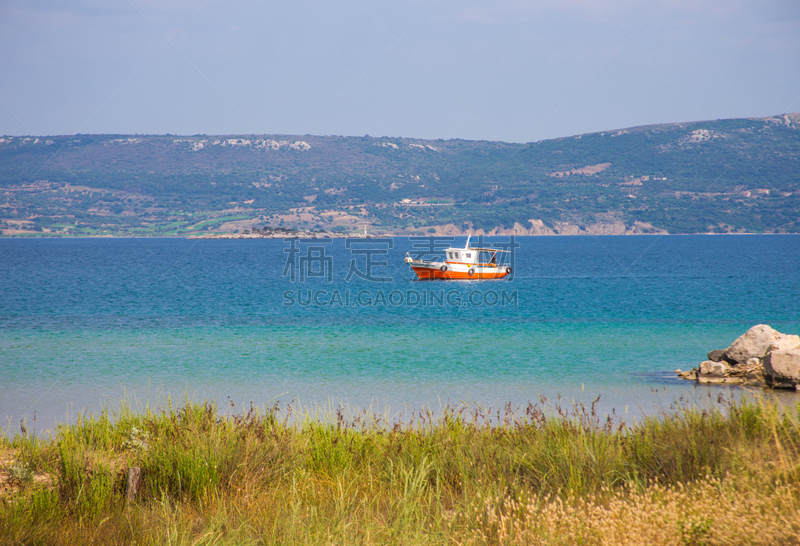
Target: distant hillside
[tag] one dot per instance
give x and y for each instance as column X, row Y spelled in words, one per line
column 739, row 175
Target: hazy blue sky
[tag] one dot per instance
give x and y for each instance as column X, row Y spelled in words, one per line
column 512, row 70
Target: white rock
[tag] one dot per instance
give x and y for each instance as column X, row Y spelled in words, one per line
column 714, row 369
column 753, row 343
column 782, row 368
column 786, row 343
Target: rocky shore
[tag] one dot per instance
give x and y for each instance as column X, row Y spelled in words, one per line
column 280, row 233
column 762, row 356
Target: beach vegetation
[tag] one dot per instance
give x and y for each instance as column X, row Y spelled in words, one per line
column 542, row 474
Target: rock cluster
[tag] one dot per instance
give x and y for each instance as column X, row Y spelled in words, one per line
column 760, row 356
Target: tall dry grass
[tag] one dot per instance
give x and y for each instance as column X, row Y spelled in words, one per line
column 723, row 475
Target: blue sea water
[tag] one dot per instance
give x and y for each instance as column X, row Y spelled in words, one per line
column 87, row 322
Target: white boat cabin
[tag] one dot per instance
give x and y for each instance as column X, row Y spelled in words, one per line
column 472, row 256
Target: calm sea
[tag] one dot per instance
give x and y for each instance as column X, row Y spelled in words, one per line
column 87, row 322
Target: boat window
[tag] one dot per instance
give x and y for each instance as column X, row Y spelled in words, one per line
column 469, row 255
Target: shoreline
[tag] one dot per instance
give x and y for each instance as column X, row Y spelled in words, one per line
column 362, row 236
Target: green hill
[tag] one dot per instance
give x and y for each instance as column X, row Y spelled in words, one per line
column 739, row 175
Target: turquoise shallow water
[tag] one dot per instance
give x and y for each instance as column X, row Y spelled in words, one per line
column 86, row 322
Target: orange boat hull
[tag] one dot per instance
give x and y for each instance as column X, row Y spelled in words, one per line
column 432, row 274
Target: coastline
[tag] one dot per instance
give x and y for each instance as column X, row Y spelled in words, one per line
column 281, row 233
column 340, row 235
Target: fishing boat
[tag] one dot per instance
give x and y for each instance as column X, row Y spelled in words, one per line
column 461, row 264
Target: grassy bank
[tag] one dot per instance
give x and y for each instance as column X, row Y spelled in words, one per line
column 533, row 476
